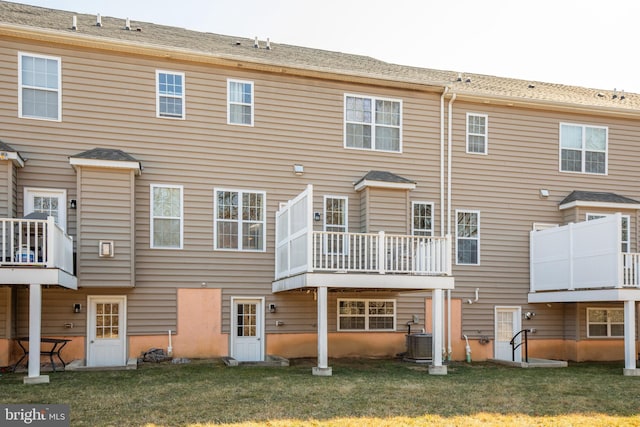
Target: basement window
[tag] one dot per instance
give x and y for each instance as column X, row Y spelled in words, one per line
column 366, row 315
column 605, row 323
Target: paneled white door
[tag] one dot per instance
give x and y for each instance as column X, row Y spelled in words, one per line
column 507, row 324
column 247, row 330
column 106, row 331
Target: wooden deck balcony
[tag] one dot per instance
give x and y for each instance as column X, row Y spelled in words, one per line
column 34, row 244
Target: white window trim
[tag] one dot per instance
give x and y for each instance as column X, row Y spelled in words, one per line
column 253, row 101
column 366, row 315
column 595, row 215
column 183, row 96
column 59, row 90
column 413, row 229
column 31, row 192
column 239, row 220
column 477, row 212
column 345, row 241
column 151, row 216
column 373, row 123
column 608, row 336
column 584, row 150
column 485, row 135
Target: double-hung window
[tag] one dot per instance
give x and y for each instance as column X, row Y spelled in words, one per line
column 240, row 220
column 170, row 99
column 39, row 87
column 422, row 219
column 477, row 133
column 468, row 237
column 366, row 315
column 605, row 322
column 624, row 233
column 583, row 148
column 239, row 102
column 335, row 221
column 372, row 123
column 166, row 216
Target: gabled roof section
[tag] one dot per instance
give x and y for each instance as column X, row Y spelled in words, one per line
column 106, row 158
column 383, row 179
column 7, row 152
column 596, row 199
column 143, row 38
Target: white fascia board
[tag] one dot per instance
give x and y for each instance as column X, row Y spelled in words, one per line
column 605, row 205
column 363, row 281
column 116, row 164
column 592, row 295
column 38, row 276
column 16, row 158
column 382, row 184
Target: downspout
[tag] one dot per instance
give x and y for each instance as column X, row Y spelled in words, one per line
column 446, row 89
column 449, row 151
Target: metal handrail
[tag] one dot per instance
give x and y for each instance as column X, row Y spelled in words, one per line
column 525, row 341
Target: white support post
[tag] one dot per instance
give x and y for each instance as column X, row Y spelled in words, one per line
column 323, row 368
column 35, row 319
column 382, row 253
column 630, row 339
column 437, row 303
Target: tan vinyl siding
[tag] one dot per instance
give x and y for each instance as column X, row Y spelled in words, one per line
column 388, row 211
column 6, row 184
column 149, row 311
column 105, row 209
column 523, row 146
column 5, row 312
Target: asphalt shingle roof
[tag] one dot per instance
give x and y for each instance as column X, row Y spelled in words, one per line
column 384, row 176
column 106, row 154
column 595, row 196
column 282, row 55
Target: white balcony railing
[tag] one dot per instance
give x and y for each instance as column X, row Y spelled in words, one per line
column 35, row 243
column 299, row 249
column 380, row 253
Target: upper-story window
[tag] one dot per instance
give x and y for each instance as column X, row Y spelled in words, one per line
column 170, row 101
column 240, row 220
column 583, row 148
column 468, row 237
column 477, row 133
column 624, row 232
column 372, row 123
column 166, row 216
column 40, row 87
column 422, row 219
column 48, row 201
column 240, row 102
column 335, row 220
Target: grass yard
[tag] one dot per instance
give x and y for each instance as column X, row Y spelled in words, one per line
column 361, row 392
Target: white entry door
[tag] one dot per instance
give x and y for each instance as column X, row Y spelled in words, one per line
column 507, row 325
column 247, row 327
column 106, row 331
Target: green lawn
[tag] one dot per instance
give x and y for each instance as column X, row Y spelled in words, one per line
column 361, row 392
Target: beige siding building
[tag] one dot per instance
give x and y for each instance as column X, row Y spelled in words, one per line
column 215, row 197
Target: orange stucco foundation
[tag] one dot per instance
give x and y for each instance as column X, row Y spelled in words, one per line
column 4, row 352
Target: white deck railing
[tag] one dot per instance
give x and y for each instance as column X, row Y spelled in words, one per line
column 299, row 249
column 35, row 242
column 381, row 253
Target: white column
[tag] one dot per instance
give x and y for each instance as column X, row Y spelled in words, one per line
column 35, row 320
column 630, row 339
column 437, row 304
column 323, row 368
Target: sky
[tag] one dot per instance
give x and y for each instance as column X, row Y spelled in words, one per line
column 590, row 43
